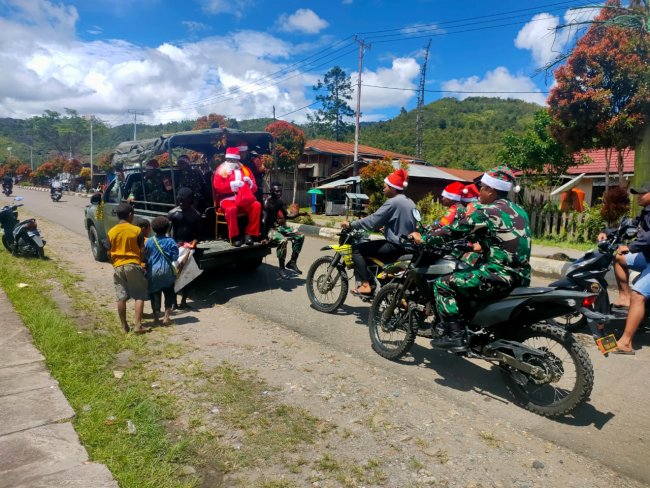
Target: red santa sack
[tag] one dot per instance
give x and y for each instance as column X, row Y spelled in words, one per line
column 245, row 197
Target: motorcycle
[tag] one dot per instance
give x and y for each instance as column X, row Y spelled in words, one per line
column 588, row 274
column 545, row 369
column 56, row 195
column 20, row 238
column 328, row 281
column 7, row 190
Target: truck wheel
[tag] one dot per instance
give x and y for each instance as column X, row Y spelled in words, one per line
column 99, row 253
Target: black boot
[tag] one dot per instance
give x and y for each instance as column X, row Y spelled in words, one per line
column 453, row 336
column 282, row 272
column 292, row 264
column 237, row 241
column 248, row 240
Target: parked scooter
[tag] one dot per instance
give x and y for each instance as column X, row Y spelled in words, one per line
column 588, row 274
column 56, row 194
column 20, row 238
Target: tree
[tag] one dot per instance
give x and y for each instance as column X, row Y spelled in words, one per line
column 602, row 96
column 372, row 181
column 210, row 121
column 334, row 105
column 289, row 146
column 72, row 166
column 536, row 152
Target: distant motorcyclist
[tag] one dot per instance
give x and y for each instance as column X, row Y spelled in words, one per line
column 502, row 230
column 55, row 186
column 7, row 183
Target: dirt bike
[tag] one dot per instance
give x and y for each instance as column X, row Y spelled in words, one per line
column 545, row 369
column 328, row 281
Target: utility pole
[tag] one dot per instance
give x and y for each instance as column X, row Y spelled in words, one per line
column 419, row 121
column 135, row 122
column 362, row 46
column 92, row 119
column 273, row 112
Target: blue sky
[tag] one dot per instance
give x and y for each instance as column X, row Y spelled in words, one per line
column 178, row 60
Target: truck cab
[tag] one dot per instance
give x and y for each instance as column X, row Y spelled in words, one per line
column 204, row 147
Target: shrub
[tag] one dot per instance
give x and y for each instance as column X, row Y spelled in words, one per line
column 593, row 223
column 430, row 210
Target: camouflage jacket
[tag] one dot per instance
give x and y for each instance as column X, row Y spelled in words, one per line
column 503, row 230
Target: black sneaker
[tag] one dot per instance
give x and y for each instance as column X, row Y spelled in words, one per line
column 293, row 267
column 237, row 243
column 449, row 341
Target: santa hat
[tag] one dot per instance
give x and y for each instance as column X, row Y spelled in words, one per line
column 453, row 191
column 232, row 153
column 397, row 179
column 500, row 178
column 470, row 193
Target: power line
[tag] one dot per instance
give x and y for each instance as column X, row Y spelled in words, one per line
column 453, row 91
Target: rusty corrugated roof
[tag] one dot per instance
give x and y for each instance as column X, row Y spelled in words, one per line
column 347, row 149
column 597, row 166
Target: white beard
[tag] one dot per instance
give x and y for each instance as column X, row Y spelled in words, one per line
column 232, row 166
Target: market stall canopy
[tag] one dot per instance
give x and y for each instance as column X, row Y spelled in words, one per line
column 208, row 142
column 315, row 191
column 340, row 183
column 568, row 185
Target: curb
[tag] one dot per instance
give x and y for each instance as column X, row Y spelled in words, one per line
column 69, row 193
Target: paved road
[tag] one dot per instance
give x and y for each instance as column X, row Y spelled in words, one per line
column 613, row 428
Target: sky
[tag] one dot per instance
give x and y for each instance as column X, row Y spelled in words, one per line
column 169, row 60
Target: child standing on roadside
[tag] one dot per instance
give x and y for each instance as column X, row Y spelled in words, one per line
column 125, row 253
column 160, row 252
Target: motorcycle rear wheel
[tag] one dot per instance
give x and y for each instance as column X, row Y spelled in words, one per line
column 571, row 322
column 567, row 363
column 391, row 336
column 326, row 295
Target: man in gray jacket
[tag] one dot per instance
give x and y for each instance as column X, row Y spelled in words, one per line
column 396, row 217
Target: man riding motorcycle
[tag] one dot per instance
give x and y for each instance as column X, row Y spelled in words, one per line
column 55, row 186
column 502, row 231
column 395, row 216
column 7, row 182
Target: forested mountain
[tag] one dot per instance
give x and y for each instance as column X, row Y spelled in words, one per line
column 464, row 134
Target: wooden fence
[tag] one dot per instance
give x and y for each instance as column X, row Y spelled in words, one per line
column 569, row 226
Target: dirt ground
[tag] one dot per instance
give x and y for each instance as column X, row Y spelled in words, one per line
column 397, row 435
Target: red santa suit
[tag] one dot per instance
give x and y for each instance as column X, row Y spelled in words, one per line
column 229, row 177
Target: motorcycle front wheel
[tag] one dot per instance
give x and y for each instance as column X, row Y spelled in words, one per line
column 327, row 284
column 391, row 332
column 6, row 243
column 566, row 375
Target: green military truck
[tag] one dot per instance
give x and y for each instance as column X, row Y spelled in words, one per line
column 208, row 146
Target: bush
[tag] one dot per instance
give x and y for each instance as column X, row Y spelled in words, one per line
column 594, row 223
column 430, row 210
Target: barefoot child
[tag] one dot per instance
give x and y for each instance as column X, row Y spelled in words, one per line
column 161, row 251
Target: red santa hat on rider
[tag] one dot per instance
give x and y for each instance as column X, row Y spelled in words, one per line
column 453, row 191
column 397, row 179
column 232, row 153
column 500, row 178
column 470, row 193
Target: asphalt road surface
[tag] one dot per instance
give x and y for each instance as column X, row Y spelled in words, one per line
column 612, row 428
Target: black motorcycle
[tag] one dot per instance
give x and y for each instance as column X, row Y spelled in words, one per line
column 587, row 273
column 20, row 238
column 7, row 190
column 544, row 367
column 56, row 194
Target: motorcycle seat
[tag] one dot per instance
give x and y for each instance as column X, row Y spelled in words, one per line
column 525, row 290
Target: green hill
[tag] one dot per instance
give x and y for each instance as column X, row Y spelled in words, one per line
column 463, row 134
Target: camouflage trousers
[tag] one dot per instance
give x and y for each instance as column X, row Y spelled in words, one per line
column 488, row 280
column 280, row 237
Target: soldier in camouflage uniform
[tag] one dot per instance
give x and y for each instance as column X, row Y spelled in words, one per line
column 191, row 178
column 274, row 221
column 152, row 188
column 502, row 229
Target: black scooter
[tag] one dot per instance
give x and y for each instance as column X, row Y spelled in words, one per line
column 20, row 238
column 56, row 194
column 588, row 274
column 7, row 190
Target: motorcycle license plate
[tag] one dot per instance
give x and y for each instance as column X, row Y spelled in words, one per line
column 606, row 344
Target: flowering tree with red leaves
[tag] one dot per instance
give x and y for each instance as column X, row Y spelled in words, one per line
column 72, row 166
column 289, row 146
column 23, row 169
column 206, row 122
column 602, row 96
column 47, row 170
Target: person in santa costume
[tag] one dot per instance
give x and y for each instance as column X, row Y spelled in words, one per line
column 451, row 198
column 230, row 179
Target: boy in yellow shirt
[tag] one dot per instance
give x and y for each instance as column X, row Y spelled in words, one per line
column 126, row 242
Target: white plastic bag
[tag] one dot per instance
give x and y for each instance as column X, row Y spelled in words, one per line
column 189, row 271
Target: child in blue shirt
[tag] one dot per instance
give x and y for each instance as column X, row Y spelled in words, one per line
column 161, row 251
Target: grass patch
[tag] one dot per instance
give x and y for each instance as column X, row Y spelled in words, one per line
column 490, row 438
column 80, row 361
column 578, row 246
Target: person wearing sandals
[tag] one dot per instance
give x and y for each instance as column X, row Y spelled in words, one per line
column 160, row 252
column 126, row 242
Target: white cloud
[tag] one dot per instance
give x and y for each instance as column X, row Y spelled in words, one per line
column 401, row 74
column 46, row 67
column 302, row 20
column 545, row 41
column 194, row 26
column 498, row 80
column 236, row 8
